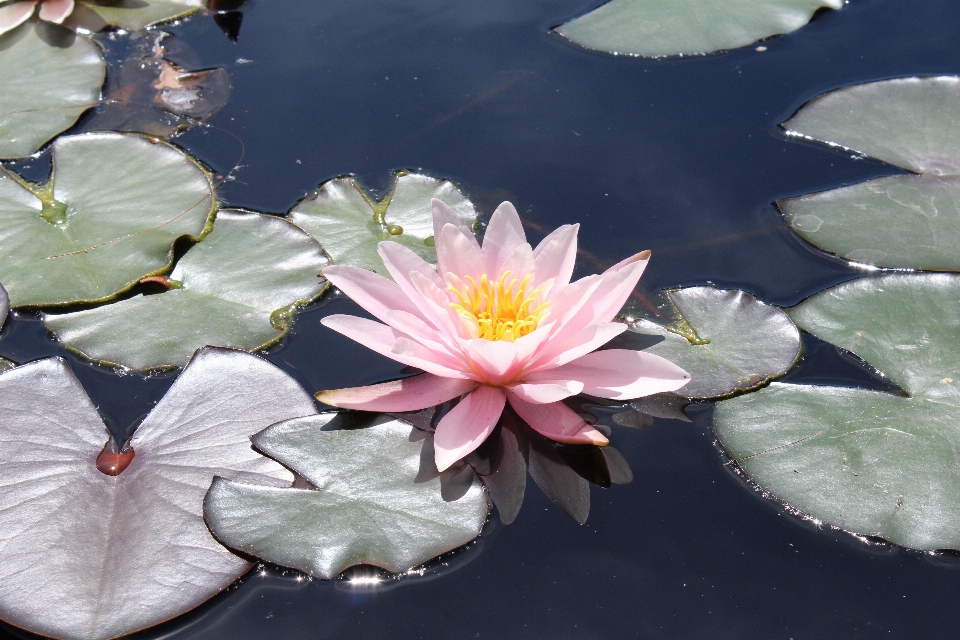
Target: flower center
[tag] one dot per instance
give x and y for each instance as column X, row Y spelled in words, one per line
column 496, row 311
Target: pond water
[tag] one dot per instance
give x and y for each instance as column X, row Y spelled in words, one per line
column 680, row 156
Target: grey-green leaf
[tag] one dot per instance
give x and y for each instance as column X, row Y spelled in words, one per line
column 132, row 15
column 870, row 462
column 48, row 77
column 908, row 122
column 4, row 305
column 350, row 224
column 90, row 556
column 906, row 221
column 367, row 509
column 238, row 288
column 733, row 341
column 655, row 28
column 115, row 206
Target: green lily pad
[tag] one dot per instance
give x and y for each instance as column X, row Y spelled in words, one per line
column 48, row 77
column 132, row 15
column 728, row 341
column 350, row 224
column 904, row 221
column 238, row 288
column 654, row 28
column 367, row 509
column 870, row 462
column 114, row 207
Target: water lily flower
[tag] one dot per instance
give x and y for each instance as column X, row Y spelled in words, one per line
column 496, row 324
column 13, row 14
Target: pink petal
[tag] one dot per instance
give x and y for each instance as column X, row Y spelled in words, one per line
column 495, row 361
column 519, row 263
column 585, row 341
column 442, row 216
column 458, row 254
column 373, row 292
column 568, row 303
column 436, row 304
column 556, row 421
column 467, row 425
column 533, row 341
column 619, row 374
column 555, row 256
column 382, row 339
column 431, row 361
column 503, row 235
column 14, row 14
column 55, row 10
column 629, row 271
column 401, row 262
column 419, row 331
column 546, row 392
column 409, row 394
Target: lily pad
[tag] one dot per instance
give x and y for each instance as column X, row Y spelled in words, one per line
column 48, row 77
column 654, row 28
column 132, row 15
column 6, row 365
column 86, row 555
column 368, row 509
column 866, row 461
column 4, row 306
column 730, row 341
column 238, row 288
column 905, row 221
column 115, row 205
column 350, row 224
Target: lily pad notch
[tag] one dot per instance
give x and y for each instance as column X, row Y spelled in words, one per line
column 349, row 223
column 239, row 288
column 109, row 216
column 368, row 506
column 907, row 221
column 139, row 528
column 727, row 340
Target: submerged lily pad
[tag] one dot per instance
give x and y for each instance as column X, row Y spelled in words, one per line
column 86, row 555
column 109, row 217
column 154, row 91
column 907, row 221
column 367, row 507
column 132, row 15
column 238, row 288
column 866, row 461
column 655, row 28
column 350, row 224
column 730, row 341
column 48, row 77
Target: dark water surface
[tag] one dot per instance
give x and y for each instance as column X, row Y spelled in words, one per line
column 681, row 156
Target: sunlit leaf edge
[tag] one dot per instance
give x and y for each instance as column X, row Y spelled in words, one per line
column 281, row 319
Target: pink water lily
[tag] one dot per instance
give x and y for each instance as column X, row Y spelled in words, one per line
column 13, row 14
column 496, row 324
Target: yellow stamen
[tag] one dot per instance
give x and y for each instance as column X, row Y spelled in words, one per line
column 496, row 310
